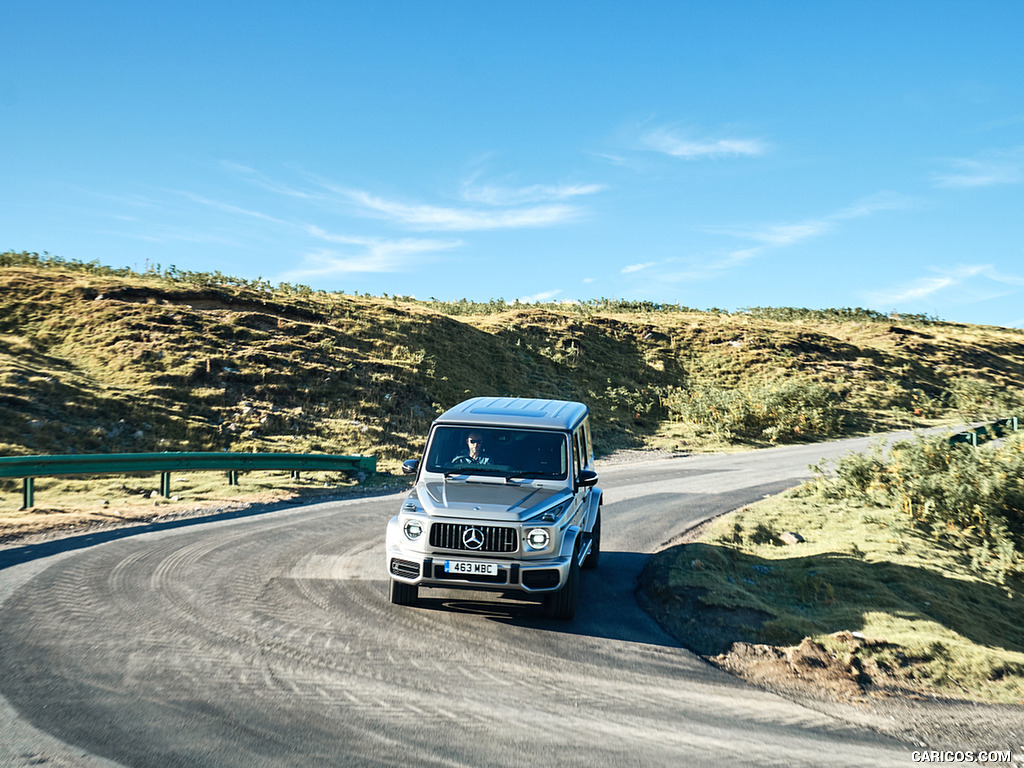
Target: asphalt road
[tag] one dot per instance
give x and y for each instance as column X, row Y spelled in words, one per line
column 268, row 640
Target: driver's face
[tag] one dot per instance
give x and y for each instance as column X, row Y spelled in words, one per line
column 475, row 443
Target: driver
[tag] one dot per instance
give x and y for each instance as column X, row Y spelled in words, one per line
column 475, row 453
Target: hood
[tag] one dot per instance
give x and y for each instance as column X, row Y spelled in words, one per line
column 488, row 501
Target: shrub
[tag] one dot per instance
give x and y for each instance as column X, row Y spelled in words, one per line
column 778, row 411
column 976, row 399
column 976, row 493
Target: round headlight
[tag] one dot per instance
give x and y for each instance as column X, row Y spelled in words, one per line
column 413, row 529
column 538, row 538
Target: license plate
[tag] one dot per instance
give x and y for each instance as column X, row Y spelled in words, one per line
column 470, row 569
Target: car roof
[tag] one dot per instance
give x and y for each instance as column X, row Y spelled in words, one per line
column 516, row 412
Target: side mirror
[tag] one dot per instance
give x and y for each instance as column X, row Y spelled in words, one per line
column 586, row 478
column 409, row 466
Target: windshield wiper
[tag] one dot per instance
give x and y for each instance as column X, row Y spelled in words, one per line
column 471, row 470
column 529, row 476
column 457, row 475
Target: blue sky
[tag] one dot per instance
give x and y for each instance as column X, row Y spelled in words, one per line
column 714, row 154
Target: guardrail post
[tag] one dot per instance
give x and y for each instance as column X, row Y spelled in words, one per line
column 233, row 477
column 165, row 484
column 295, row 474
column 28, row 493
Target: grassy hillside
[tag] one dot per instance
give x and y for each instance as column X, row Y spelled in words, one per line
column 100, row 360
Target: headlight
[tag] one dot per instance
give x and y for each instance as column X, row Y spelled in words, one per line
column 413, row 529
column 537, row 538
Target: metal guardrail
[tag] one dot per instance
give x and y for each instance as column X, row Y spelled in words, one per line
column 979, row 434
column 31, row 467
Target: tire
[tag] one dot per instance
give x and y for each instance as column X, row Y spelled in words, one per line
column 595, row 544
column 562, row 604
column 404, row 594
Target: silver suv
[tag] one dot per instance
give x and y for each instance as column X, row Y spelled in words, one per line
column 505, row 499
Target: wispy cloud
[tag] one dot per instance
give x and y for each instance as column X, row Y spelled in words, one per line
column 777, row 234
column 876, row 203
column 638, row 267
column 424, row 216
column 449, row 218
column 543, row 296
column 984, row 170
column 229, row 208
column 260, row 180
column 671, row 142
column 494, row 195
column 947, row 279
column 489, row 206
column 368, row 255
column 782, row 234
column 770, row 237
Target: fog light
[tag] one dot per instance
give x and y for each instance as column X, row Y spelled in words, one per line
column 413, row 529
column 537, row 538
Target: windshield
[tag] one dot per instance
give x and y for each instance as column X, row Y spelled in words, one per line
column 529, row 453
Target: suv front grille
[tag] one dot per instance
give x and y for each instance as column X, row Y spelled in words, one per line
column 495, row 538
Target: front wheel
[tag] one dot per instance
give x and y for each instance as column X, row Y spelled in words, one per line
column 404, row 594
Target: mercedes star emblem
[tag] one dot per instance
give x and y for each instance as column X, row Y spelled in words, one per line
column 473, row 538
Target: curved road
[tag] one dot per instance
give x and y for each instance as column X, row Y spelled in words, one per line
column 268, row 640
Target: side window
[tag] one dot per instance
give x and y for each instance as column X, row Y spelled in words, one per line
column 587, row 455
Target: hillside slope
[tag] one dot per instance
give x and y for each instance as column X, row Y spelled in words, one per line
column 98, row 360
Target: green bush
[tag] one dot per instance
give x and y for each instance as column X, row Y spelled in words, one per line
column 780, row 411
column 977, row 494
column 976, row 399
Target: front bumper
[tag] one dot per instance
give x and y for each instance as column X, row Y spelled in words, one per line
column 427, row 570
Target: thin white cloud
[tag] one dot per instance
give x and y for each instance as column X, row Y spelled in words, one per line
column 702, row 268
column 542, row 297
column 1002, row 277
column 917, row 290
column 947, row 279
column 228, row 208
column 611, row 159
column 771, row 237
column 670, row 142
column 876, row 203
column 738, row 257
column 260, row 180
column 491, row 206
column 778, row 234
column 985, row 170
column 792, row 233
column 535, row 193
column 373, row 255
column 434, row 217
